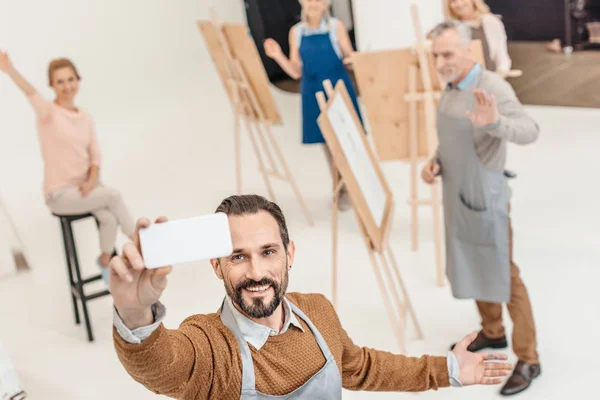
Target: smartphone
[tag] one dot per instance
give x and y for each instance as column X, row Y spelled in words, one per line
column 186, row 240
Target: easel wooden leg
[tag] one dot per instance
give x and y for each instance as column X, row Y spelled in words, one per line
column 260, row 131
column 400, row 281
column 238, row 156
column 261, row 164
column 334, row 238
column 18, row 253
column 414, row 154
column 400, row 305
column 437, row 232
column 288, row 175
column 396, row 325
column 424, row 62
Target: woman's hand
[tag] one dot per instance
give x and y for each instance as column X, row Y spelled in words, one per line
column 8, row 68
column 5, row 63
column 86, row 187
column 273, row 49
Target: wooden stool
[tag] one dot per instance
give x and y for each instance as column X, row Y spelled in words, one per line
column 75, row 280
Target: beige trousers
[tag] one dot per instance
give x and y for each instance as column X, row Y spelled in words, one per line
column 105, row 203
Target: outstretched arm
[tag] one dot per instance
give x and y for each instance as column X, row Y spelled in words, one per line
column 39, row 104
column 344, row 39
column 293, row 65
column 374, row 370
column 8, row 68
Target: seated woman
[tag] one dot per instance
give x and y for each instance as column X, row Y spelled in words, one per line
column 486, row 27
column 72, row 156
column 318, row 46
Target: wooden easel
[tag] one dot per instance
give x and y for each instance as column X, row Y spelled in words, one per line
column 18, row 252
column 374, row 220
column 10, row 386
column 243, row 75
column 394, row 98
column 428, row 96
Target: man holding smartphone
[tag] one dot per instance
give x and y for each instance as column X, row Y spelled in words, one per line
column 263, row 342
column 478, row 114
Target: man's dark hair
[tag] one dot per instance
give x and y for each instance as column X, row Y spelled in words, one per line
column 252, row 204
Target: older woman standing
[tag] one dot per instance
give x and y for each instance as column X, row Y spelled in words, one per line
column 72, row 156
column 486, row 27
column 318, row 46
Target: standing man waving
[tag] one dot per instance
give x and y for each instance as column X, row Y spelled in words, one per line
column 478, row 115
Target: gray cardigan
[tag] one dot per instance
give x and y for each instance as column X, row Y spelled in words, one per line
column 514, row 125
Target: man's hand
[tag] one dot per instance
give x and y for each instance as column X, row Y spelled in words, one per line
column 486, row 110
column 135, row 288
column 476, row 368
column 430, row 171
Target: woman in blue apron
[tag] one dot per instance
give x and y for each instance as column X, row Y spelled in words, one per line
column 318, row 46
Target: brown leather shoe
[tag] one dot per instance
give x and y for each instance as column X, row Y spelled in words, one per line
column 521, row 378
column 483, row 342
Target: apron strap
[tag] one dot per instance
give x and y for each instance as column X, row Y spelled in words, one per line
column 248, row 378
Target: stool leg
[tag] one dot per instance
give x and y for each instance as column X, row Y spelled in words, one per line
column 65, row 228
column 82, row 297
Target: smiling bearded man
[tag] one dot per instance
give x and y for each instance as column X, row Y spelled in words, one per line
column 263, row 343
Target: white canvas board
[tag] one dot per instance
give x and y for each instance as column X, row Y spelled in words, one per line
column 357, row 157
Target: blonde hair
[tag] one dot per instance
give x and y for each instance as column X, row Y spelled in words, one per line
column 304, row 18
column 58, row 64
column 480, row 9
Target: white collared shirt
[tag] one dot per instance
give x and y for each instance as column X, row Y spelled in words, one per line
column 257, row 334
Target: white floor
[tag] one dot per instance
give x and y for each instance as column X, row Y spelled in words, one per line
column 165, row 129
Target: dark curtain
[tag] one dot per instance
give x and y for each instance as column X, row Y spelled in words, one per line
column 531, row 20
column 272, row 19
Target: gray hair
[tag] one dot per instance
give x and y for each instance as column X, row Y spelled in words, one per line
column 463, row 30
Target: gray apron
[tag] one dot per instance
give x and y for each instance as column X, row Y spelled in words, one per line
column 475, row 214
column 324, row 385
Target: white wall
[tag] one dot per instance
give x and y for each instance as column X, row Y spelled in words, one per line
column 146, row 73
column 154, row 94
column 387, row 24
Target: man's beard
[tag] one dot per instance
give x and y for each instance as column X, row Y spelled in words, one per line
column 257, row 308
column 451, row 75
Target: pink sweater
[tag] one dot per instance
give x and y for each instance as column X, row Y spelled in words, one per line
column 68, row 144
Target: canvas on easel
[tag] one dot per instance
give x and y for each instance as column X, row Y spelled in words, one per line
column 12, row 247
column 10, row 386
column 372, row 201
column 241, row 71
